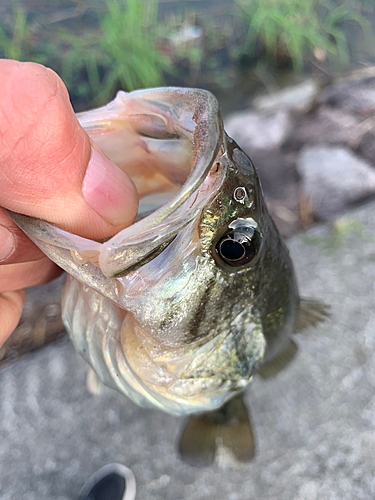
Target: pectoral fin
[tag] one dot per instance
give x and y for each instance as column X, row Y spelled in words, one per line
column 311, row 312
column 224, row 436
column 277, row 364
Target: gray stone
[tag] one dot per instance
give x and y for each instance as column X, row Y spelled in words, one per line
column 295, row 98
column 252, row 130
column 277, row 174
column 363, row 140
column 314, row 423
column 333, row 178
column 351, row 96
column 324, row 126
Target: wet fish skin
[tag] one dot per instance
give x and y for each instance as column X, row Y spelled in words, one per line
column 175, row 326
column 241, row 310
column 268, row 285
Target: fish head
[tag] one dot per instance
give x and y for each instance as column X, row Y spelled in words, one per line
column 178, row 310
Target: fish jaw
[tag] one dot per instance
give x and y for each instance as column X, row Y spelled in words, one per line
column 190, row 118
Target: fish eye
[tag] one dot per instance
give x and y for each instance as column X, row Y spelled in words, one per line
column 238, row 247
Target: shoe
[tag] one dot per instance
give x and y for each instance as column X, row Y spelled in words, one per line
column 111, row 482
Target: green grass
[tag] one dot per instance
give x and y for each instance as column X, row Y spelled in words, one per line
column 296, row 28
column 121, row 54
column 15, row 37
column 130, row 45
column 128, row 40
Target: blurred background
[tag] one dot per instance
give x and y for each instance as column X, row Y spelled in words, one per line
column 231, row 47
column 296, row 83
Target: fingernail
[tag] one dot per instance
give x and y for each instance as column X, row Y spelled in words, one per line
column 109, row 191
column 6, row 243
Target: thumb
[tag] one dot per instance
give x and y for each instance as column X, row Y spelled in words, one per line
column 48, row 167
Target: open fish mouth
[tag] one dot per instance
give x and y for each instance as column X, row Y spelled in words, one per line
column 167, row 147
column 147, row 308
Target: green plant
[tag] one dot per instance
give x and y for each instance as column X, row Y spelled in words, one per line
column 121, row 54
column 80, row 66
column 128, row 42
column 297, row 27
column 15, row 36
column 332, row 22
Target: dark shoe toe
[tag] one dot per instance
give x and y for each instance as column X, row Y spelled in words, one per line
column 111, row 482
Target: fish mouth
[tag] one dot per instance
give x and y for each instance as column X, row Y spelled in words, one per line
column 175, row 136
column 167, row 141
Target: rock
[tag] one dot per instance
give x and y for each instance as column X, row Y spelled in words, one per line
column 325, row 126
column 187, row 35
column 333, row 178
column 296, row 98
column 279, row 181
column 252, row 130
column 363, row 140
column 275, row 171
column 355, row 97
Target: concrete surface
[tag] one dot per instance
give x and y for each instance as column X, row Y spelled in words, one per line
column 314, row 423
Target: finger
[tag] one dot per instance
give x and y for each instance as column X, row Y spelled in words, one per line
column 15, row 246
column 11, row 304
column 48, row 168
column 22, row 264
column 25, row 274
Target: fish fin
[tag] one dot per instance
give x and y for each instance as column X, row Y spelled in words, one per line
column 93, row 383
column 277, row 364
column 224, row 436
column 311, row 312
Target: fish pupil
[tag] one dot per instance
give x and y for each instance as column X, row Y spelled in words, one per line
column 232, row 250
column 237, row 249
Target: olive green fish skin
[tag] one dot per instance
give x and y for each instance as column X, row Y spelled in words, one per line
column 267, row 287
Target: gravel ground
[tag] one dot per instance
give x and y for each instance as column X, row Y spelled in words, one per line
column 314, row 423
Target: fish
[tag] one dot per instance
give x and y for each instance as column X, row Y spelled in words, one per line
column 180, row 310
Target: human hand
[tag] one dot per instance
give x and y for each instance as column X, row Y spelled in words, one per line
column 48, row 170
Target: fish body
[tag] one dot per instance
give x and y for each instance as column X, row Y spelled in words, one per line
column 182, row 308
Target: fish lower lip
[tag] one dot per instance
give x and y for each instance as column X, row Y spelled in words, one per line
column 147, row 258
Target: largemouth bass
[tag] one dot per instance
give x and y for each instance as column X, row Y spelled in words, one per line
column 182, row 308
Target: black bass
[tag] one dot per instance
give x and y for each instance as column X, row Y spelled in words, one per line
column 181, row 309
